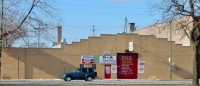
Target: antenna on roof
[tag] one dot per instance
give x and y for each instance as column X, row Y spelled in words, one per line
column 125, row 26
column 93, row 31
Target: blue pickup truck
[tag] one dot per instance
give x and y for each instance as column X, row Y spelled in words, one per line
column 86, row 74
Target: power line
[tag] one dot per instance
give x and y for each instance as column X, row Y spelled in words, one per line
column 104, row 13
column 103, row 6
column 100, row 27
column 89, row 26
column 39, row 30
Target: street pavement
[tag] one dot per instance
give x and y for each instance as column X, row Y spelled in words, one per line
column 94, row 82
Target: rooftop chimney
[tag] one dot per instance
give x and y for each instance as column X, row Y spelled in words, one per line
column 132, row 27
column 59, row 34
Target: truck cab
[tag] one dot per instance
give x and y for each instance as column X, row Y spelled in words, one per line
column 86, row 74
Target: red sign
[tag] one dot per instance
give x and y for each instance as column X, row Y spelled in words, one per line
column 127, row 67
column 87, row 59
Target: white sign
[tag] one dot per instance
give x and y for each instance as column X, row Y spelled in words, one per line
column 141, row 66
column 130, row 46
column 113, row 68
column 141, row 69
column 87, row 59
column 107, row 60
column 107, row 68
column 141, row 62
column 172, row 63
column 106, row 53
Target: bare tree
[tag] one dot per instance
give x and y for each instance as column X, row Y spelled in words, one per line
column 190, row 9
column 23, row 16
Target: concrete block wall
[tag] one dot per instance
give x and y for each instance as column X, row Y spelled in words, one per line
column 11, row 67
column 52, row 63
column 162, row 30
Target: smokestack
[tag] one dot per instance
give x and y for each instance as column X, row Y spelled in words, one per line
column 59, row 34
column 132, row 27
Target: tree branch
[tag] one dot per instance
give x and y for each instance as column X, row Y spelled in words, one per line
column 32, row 6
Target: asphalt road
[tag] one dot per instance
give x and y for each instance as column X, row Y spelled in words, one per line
column 94, row 82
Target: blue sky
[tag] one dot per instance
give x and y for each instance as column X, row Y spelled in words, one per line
column 108, row 16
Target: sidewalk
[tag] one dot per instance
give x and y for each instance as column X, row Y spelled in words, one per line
column 72, row 80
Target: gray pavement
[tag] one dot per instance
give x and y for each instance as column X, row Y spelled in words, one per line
column 94, row 82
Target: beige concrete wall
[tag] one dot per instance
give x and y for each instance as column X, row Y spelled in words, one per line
column 50, row 63
column 162, row 30
column 9, row 64
column 44, row 63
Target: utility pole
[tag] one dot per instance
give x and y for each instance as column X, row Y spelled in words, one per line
column 170, row 50
column 125, row 26
column 28, row 43
column 38, row 44
column 64, row 64
column 39, row 30
column 93, row 31
column 64, row 57
column 18, row 66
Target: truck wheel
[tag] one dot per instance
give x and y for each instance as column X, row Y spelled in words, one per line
column 89, row 78
column 67, row 78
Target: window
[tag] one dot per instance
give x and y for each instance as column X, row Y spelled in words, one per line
column 90, row 69
column 77, row 70
column 94, row 66
column 84, row 70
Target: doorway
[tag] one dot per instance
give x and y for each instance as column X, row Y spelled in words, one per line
column 127, row 65
column 107, row 71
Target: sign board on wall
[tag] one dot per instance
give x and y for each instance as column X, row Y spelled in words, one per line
column 87, row 59
column 141, row 66
column 106, row 53
column 113, row 68
column 127, row 65
column 107, row 60
column 107, row 69
column 96, row 58
column 130, row 46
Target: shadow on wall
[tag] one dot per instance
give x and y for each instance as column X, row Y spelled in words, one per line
column 53, row 66
column 6, row 76
column 97, row 77
column 146, row 52
column 180, row 72
column 43, row 65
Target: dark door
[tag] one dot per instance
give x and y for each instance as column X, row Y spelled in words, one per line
column 76, row 74
column 127, row 65
column 83, row 73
